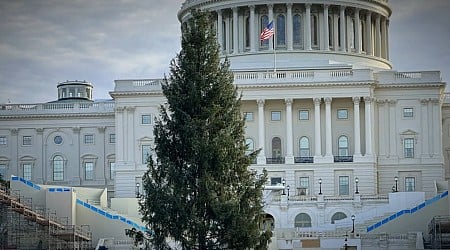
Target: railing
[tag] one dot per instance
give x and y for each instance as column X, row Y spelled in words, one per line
column 343, row 158
column 304, row 159
column 277, row 160
column 52, row 108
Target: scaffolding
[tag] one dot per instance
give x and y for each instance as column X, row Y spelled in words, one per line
column 439, row 232
column 23, row 226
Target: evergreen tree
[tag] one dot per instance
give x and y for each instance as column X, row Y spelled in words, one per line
column 199, row 193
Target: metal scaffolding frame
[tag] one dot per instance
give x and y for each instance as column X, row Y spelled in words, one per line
column 23, row 226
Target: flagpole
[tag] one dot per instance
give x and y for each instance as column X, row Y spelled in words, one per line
column 274, row 55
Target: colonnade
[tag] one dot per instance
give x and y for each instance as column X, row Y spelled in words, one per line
column 303, row 27
column 320, row 156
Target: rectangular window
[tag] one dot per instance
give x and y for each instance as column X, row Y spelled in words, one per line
column 276, row 115
column 342, row 114
column 410, row 184
column 344, row 188
column 146, row 152
column 112, row 138
column 89, row 139
column 408, row 147
column 89, row 170
column 27, row 171
column 146, row 119
column 303, row 186
column 3, row 171
column 58, row 170
column 26, row 140
column 112, row 170
column 408, row 112
column 303, row 115
column 3, row 140
column 248, row 116
column 275, row 181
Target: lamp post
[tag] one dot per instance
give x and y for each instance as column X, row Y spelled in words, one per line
column 396, row 183
column 320, row 186
column 284, row 183
column 288, row 187
column 356, row 183
column 353, row 223
column 137, row 190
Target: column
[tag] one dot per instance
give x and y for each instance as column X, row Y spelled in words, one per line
column 335, row 33
column 307, row 29
column 382, row 128
column 220, row 29
column 436, row 125
column 357, row 32
column 270, row 7
column 357, row 125
column 369, row 50
column 328, row 146
column 317, row 139
column 378, row 36
column 130, row 136
column 392, row 129
column 387, row 40
column 227, row 35
column 425, row 137
column 326, row 32
column 368, row 125
column 289, row 139
column 289, row 26
column 261, row 159
column 383, row 38
column 235, row 31
column 41, row 177
column 342, row 28
column 252, row 29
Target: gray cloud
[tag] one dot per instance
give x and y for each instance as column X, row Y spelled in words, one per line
column 50, row 41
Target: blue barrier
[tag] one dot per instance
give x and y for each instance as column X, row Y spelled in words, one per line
column 407, row 211
column 26, row 182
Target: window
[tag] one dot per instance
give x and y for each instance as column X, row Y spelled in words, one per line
column 112, row 170
column 146, row 119
column 302, row 220
column 338, row 216
column 344, row 188
column 408, row 147
column 89, row 170
column 276, row 116
column 26, row 140
column 297, row 30
column 58, row 140
column 303, row 186
column 3, row 140
column 247, row 32
column 89, row 139
column 3, row 171
column 303, row 115
column 276, row 147
column 146, row 152
column 281, row 30
column 304, row 147
column 274, row 181
column 330, row 31
column 248, row 116
column 112, row 138
column 343, row 146
column 408, row 112
column 250, row 146
column 58, row 168
column 264, row 23
column 342, row 114
column 27, row 171
column 314, row 30
column 410, row 184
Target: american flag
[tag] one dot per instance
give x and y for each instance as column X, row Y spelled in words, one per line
column 267, row 32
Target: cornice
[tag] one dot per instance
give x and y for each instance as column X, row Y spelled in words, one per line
column 410, row 85
column 136, row 93
column 308, row 85
column 52, row 116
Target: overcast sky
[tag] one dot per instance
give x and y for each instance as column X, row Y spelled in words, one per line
column 49, row 41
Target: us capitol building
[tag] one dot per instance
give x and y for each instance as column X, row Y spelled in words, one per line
column 346, row 139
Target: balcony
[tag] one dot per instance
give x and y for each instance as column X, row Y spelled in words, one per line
column 343, row 159
column 277, row 160
column 304, row 159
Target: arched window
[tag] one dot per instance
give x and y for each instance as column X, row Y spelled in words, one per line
column 281, row 30
column 276, row 147
column 264, row 23
column 58, row 168
column 247, row 32
column 343, row 146
column 297, row 30
column 268, row 223
column 250, row 146
column 302, row 220
column 338, row 216
column 304, row 147
column 314, row 30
